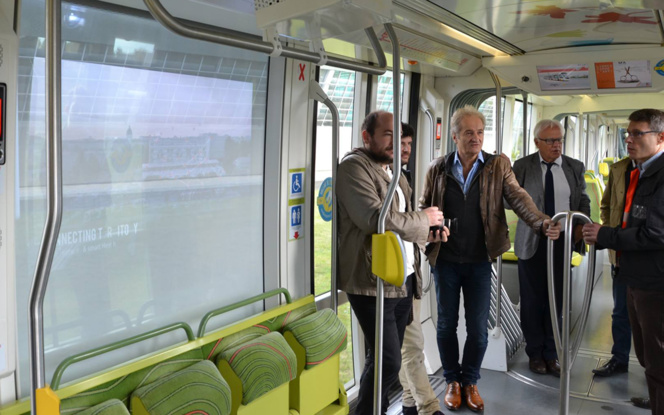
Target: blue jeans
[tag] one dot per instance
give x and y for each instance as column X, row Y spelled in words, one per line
column 621, row 330
column 475, row 281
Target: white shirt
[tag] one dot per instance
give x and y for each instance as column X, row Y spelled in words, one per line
column 562, row 192
column 410, row 254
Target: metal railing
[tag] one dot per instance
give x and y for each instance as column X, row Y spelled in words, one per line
column 508, row 320
column 566, row 352
column 396, row 173
column 249, row 42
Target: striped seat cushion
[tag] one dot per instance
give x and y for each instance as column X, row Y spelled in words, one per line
column 110, row 407
column 122, row 387
column 211, row 350
column 279, row 322
column 261, row 365
column 321, row 334
column 198, row 389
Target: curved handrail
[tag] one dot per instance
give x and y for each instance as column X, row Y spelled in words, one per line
column 429, row 114
column 567, row 354
column 53, row 198
column 206, row 318
column 57, row 375
column 249, row 42
column 396, row 169
column 499, row 149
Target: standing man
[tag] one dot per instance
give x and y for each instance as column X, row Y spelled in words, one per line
column 556, row 184
column 611, row 213
column 418, row 395
column 363, row 178
column 469, row 186
column 639, row 245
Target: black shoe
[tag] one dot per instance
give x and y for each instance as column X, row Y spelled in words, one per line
column 611, row 368
column 537, row 366
column 409, row 410
column 641, row 402
column 438, row 413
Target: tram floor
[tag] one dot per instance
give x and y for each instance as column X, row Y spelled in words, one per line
column 521, row 392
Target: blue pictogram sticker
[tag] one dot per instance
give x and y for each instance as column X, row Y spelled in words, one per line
column 296, row 215
column 659, row 67
column 325, row 199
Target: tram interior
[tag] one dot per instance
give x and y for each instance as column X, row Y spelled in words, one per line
column 134, row 92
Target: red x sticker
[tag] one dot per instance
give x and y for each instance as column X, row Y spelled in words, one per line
column 303, row 66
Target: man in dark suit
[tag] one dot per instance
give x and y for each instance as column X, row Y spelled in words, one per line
column 556, row 184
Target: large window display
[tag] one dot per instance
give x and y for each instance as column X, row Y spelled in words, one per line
column 163, row 154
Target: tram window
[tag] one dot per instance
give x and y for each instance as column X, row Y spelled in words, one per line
column 163, row 154
column 386, row 91
column 339, row 85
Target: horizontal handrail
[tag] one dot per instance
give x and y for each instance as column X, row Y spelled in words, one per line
column 57, row 375
column 250, row 42
column 239, row 304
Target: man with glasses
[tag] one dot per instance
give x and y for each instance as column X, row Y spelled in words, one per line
column 556, row 184
column 639, row 245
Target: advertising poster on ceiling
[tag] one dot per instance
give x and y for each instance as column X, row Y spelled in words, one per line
column 623, row 74
column 561, row 77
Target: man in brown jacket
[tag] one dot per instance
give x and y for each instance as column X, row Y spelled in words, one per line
column 363, row 178
column 469, row 185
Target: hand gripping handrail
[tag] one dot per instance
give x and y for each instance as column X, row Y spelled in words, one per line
column 396, row 174
column 567, row 354
column 317, row 93
column 250, row 42
column 43, row 401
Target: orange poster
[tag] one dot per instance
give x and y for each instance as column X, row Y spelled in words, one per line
column 605, row 75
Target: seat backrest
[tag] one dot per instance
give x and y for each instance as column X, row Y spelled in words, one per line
column 594, row 191
column 261, row 365
column 197, row 389
column 321, row 334
column 122, row 388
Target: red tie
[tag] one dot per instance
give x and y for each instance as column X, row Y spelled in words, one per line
column 633, row 180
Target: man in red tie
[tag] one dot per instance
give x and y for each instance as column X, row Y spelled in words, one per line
column 639, row 242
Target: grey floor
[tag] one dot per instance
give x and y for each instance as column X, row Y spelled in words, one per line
column 521, row 392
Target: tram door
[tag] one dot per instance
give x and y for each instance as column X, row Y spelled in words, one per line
column 8, row 93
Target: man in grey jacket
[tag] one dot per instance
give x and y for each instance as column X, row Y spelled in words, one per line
column 556, row 184
column 363, row 177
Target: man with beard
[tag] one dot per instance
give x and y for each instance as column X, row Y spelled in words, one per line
column 363, row 178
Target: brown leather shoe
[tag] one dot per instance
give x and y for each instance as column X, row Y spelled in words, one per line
column 553, row 367
column 473, row 398
column 537, row 366
column 452, row 398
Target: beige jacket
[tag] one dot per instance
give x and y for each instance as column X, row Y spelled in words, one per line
column 361, row 187
column 613, row 201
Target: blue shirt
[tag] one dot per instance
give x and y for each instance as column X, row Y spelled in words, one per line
column 457, row 171
column 642, row 168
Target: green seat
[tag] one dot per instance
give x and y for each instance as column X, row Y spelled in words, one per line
column 121, row 388
column 512, row 220
column 594, row 192
column 109, row 407
column 321, row 334
column 317, row 340
column 198, row 389
column 258, row 373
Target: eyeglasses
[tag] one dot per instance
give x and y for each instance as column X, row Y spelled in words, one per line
column 552, row 141
column 637, row 134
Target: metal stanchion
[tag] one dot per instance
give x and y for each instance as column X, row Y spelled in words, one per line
column 567, row 354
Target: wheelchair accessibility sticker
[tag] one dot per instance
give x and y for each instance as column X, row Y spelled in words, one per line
column 296, row 180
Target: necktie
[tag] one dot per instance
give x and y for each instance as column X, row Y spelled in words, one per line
column 633, row 180
column 549, row 199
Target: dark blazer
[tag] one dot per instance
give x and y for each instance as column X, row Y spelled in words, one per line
column 528, row 172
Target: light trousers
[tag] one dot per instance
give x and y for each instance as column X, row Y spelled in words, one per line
column 413, row 376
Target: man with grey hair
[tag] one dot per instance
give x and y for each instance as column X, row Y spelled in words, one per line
column 469, row 185
column 557, row 184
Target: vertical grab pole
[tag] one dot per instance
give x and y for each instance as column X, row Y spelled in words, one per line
column 432, row 126
column 317, row 93
column 53, row 200
column 396, row 173
column 497, row 122
column 567, row 354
